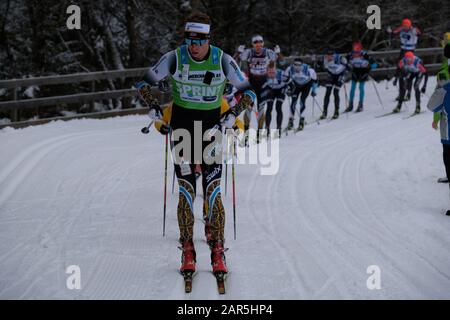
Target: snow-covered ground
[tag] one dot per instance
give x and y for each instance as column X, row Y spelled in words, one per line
column 349, row 194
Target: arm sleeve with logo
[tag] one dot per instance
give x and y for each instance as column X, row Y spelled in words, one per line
column 165, row 66
column 234, row 74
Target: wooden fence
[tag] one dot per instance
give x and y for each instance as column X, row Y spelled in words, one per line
column 15, row 105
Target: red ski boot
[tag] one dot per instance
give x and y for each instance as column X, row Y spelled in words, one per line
column 218, row 257
column 187, row 268
column 219, row 265
column 188, row 256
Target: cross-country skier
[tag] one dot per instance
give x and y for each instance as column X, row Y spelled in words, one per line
column 273, row 95
column 409, row 36
column 198, row 72
column 443, row 77
column 439, row 103
column 164, row 128
column 410, row 72
column 302, row 78
column 360, row 65
column 336, row 66
column 257, row 59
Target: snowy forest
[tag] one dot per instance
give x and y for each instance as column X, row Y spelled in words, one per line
column 118, row 34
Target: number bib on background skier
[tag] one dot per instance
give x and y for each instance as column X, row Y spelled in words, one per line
column 302, row 76
column 413, row 67
column 198, row 85
column 334, row 66
column 359, row 62
column 408, row 39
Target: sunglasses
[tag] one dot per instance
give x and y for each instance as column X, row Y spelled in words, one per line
column 257, row 41
column 197, row 42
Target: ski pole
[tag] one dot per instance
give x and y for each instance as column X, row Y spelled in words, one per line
column 165, row 185
column 376, row 90
column 146, row 130
column 234, row 186
column 226, row 165
column 320, row 109
column 226, row 176
column 346, row 98
column 315, row 101
column 173, row 181
column 165, row 176
column 173, row 161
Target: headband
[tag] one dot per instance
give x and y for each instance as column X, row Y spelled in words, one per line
column 257, row 38
column 197, row 27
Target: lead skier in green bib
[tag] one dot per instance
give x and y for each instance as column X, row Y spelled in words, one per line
column 198, row 73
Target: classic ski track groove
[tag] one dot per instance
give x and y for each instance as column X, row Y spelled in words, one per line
column 318, row 221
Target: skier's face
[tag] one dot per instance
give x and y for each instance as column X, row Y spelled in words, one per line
column 258, row 45
column 271, row 72
column 297, row 66
column 199, row 51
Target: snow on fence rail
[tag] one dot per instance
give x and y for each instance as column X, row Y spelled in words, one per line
column 15, row 105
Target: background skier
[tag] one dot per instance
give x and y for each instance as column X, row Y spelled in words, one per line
column 301, row 78
column 336, row 66
column 409, row 36
column 410, row 72
column 273, row 95
column 256, row 61
column 360, row 65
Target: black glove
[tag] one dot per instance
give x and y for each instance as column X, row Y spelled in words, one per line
column 164, row 129
column 228, row 89
column 424, row 89
column 155, row 111
column 313, row 93
column 163, row 86
column 395, row 82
